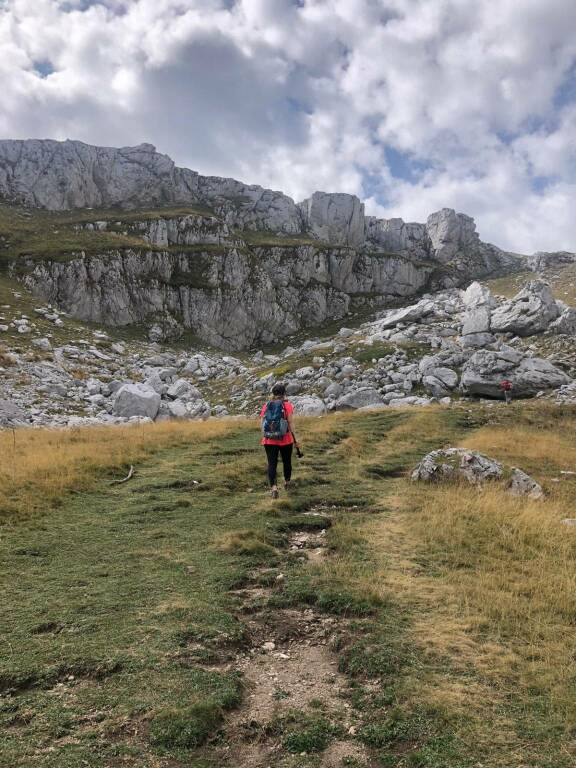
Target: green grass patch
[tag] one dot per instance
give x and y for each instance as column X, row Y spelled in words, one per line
column 304, row 732
column 175, row 729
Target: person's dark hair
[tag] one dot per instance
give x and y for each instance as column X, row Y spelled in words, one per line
column 279, row 390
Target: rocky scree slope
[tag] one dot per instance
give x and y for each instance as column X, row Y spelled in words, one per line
column 250, row 267
column 426, row 352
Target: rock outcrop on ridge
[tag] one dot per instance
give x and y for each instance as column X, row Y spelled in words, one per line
column 70, row 174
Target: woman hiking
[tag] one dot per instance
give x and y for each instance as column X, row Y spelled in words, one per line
column 278, row 436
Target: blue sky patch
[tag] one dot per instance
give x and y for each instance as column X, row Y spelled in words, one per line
column 43, row 68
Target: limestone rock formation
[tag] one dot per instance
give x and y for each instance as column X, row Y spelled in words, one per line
column 308, row 405
column 455, row 463
column 566, row 323
column 449, row 233
column 447, row 239
column 530, row 311
column 337, row 218
column 478, row 295
column 398, row 236
column 542, row 260
column 474, row 467
column 136, row 400
column 70, row 174
column 522, row 484
column 410, row 314
column 360, row 398
column 11, row 415
column 486, row 369
column 231, row 298
column 204, row 272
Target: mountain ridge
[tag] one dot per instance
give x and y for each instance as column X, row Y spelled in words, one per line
column 63, row 175
column 252, row 269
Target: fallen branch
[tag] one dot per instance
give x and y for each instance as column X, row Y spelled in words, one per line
column 124, row 479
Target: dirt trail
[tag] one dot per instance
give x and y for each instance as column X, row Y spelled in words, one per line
column 289, row 667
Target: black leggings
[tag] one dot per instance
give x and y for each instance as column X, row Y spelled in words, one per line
column 272, row 452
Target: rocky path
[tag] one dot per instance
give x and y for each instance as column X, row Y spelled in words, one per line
column 291, row 668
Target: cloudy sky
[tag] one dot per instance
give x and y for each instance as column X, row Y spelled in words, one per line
column 411, row 104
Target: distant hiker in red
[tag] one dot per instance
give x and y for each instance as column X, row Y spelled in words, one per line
column 278, row 436
column 506, row 387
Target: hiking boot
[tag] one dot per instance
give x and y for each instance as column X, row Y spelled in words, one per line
column 274, row 493
column 287, row 485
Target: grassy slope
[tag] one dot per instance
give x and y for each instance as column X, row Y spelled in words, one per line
column 562, row 280
column 40, row 234
column 118, row 598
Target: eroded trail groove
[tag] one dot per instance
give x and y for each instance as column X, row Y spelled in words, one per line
column 291, row 666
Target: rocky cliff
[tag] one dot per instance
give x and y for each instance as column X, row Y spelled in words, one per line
column 232, row 295
column 207, row 272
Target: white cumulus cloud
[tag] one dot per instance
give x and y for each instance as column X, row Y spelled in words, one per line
column 411, row 104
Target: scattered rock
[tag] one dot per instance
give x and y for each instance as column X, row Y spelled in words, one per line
column 308, row 405
column 359, row 398
column 137, row 400
column 522, row 484
column 454, row 463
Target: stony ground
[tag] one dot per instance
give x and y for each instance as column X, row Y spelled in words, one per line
column 54, row 370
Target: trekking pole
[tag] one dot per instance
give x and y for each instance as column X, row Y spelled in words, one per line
column 298, row 451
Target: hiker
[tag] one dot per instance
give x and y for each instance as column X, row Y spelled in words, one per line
column 278, row 436
column 506, row 387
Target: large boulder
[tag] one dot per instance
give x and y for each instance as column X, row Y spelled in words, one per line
column 411, row 314
column 136, row 400
column 486, row 369
column 531, row 311
column 191, row 410
column 476, row 320
column 359, row 398
column 478, row 302
column 11, row 415
column 456, row 463
column 478, row 295
column 566, row 323
column 402, row 402
column 477, row 340
column 437, row 378
column 308, row 405
column 440, row 381
column 182, row 389
column 474, row 467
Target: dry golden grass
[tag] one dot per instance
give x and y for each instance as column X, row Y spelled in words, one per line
column 562, row 281
column 39, row 467
column 503, row 596
column 535, row 448
column 491, row 578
